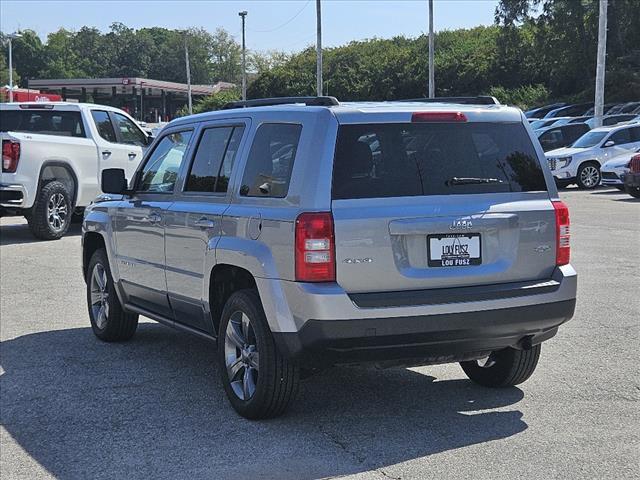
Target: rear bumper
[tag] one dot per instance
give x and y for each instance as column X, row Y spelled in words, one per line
column 316, row 323
column 424, row 339
column 12, row 195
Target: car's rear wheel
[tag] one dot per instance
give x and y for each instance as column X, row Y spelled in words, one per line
column 588, row 176
column 259, row 382
column 109, row 321
column 503, row 368
column 50, row 216
column 633, row 191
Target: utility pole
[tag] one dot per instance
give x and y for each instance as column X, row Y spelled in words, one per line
column 318, row 49
column 11, row 37
column 187, row 66
column 243, row 14
column 600, row 66
column 432, row 83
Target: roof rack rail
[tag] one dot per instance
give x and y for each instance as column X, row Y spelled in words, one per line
column 265, row 102
column 479, row 100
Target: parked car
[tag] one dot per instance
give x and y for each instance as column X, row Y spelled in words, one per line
column 574, row 110
column 580, row 163
column 542, row 123
column 53, row 155
column 606, row 108
column 632, row 178
column 612, row 120
column 614, row 171
column 628, row 107
column 580, row 119
column 556, row 137
column 542, row 111
column 316, row 233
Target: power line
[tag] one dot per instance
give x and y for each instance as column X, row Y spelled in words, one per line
column 285, row 23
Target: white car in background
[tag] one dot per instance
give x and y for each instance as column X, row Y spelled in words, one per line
column 614, row 170
column 581, row 162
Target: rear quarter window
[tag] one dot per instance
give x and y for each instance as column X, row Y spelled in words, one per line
column 397, row 160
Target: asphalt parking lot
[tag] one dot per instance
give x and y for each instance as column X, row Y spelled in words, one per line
column 73, row 407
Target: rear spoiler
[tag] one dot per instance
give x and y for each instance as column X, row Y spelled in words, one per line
column 479, row 100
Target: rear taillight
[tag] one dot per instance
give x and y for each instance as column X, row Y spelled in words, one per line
column 438, row 117
column 315, row 248
column 10, row 156
column 563, row 235
column 634, row 164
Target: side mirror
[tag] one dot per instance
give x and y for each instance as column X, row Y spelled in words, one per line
column 113, row 181
column 609, row 143
column 150, row 139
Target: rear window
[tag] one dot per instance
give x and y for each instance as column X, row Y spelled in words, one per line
column 399, row 160
column 44, row 122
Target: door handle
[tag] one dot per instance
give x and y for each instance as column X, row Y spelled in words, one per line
column 106, row 153
column 132, row 156
column 204, row 222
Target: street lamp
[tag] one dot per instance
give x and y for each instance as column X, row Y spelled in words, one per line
column 243, row 14
column 11, row 37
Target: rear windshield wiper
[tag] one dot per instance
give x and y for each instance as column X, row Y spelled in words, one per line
column 471, row 180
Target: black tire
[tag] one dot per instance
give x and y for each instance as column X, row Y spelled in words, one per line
column 509, row 367
column 277, row 378
column 633, row 191
column 117, row 325
column 53, row 196
column 78, row 216
column 588, row 176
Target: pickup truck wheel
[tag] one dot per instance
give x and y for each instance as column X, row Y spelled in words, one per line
column 109, row 321
column 588, row 176
column 503, row 368
column 50, row 216
column 259, row 382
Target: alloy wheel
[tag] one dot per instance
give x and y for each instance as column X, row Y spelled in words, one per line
column 99, row 296
column 241, row 355
column 590, row 176
column 57, row 212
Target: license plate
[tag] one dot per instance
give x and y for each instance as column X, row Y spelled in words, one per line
column 454, row 250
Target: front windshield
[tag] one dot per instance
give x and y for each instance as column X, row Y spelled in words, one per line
column 589, row 139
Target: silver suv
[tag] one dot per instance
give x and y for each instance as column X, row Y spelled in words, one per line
column 300, row 233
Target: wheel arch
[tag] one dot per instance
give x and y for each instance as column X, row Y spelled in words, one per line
column 60, row 171
column 91, row 242
column 224, row 280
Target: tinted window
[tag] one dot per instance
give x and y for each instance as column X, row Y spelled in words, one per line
column 160, row 172
column 129, row 132
column 104, row 126
column 44, row 122
column 551, row 139
column 268, row 169
column 434, row 159
column 229, row 157
column 573, row 132
column 621, row 136
column 212, row 148
column 635, row 134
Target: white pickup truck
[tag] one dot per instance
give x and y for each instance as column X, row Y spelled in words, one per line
column 53, row 155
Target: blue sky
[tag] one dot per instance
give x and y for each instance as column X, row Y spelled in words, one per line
column 280, row 25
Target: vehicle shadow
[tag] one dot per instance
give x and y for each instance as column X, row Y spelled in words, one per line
column 17, row 233
column 154, row 408
column 628, row 200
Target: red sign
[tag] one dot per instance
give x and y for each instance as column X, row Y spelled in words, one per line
column 23, row 95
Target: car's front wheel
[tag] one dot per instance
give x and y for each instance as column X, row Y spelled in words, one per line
column 588, row 176
column 258, row 380
column 109, row 321
column 503, row 368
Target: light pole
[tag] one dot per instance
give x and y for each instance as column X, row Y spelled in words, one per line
column 243, row 14
column 188, row 67
column 602, row 55
column 432, row 82
column 318, row 49
column 11, row 37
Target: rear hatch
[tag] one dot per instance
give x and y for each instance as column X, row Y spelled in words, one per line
column 439, row 202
